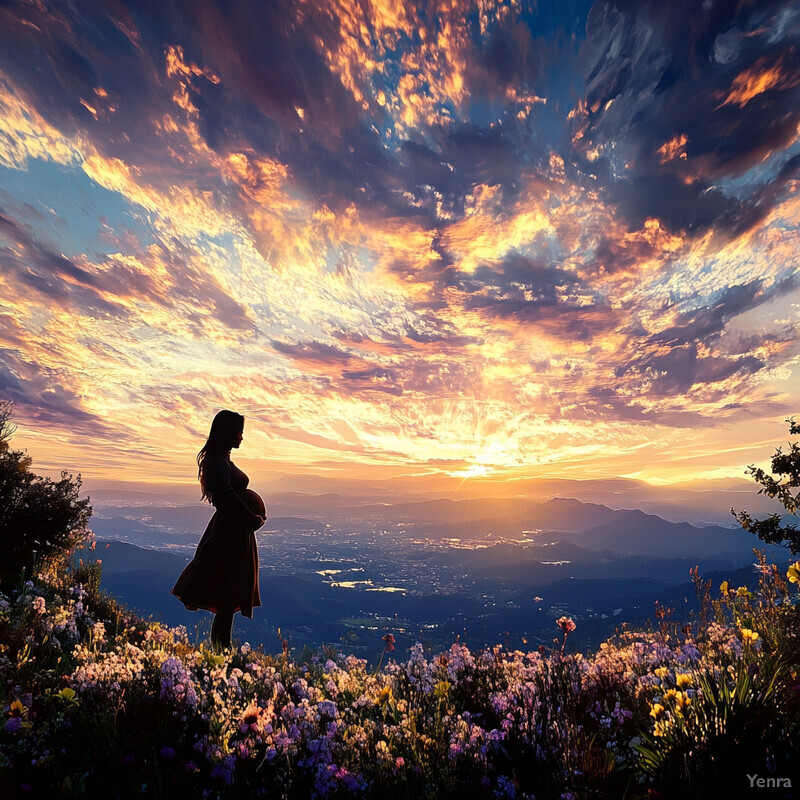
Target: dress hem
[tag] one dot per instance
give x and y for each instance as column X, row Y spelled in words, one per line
column 213, row 610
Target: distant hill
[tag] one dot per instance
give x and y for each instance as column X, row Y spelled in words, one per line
column 454, row 519
column 701, row 502
column 123, row 557
column 637, row 533
column 535, row 565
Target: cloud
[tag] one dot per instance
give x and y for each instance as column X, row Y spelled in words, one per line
column 464, row 229
column 766, row 74
column 376, row 378
column 708, row 322
column 41, row 398
column 722, row 81
column 607, row 403
column 542, row 281
column 551, row 299
column 705, row 324
column 677, row 371
column 51, row 276
column 312, row 351
column 113, row 288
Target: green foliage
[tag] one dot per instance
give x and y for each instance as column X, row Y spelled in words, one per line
column 701, row 742
column 89, row 576
column 782, row 485
column 707, row 729
column 40, row 520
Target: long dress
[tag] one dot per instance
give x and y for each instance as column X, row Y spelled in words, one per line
column 223, row 575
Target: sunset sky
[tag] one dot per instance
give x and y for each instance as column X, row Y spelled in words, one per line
column 499, row 239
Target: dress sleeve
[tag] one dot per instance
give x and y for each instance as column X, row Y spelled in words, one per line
column 223, row 495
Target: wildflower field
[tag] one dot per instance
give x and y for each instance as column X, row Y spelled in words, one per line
column 98, row 702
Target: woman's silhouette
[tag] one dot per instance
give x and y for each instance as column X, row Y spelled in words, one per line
column 223, row 575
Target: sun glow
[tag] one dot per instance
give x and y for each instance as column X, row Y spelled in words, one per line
column 474, row 471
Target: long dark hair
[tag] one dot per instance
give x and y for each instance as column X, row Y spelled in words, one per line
column 225, row 426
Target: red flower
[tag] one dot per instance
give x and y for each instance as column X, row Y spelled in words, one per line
column 566, row 624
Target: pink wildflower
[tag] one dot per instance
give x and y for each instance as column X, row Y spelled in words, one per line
column 566, row 624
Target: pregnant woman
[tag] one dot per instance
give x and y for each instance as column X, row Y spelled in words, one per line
column 223, row 575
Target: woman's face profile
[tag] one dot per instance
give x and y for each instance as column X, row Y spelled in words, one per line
column 237, row 438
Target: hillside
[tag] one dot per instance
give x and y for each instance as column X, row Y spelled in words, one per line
column 99, row 702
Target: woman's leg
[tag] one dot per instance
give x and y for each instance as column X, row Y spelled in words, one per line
column 221, row 629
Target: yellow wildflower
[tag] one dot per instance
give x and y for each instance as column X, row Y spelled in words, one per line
column 18, row 709
column 794, row 573
column 723, row 587
column 662, row 672
column 683, row 679
column 384, row 697
column 749, row 636
column 677, row 699
column 68, row 696
column 657, row 711
column 742, row 591
column 442, row 688
column 682, row 700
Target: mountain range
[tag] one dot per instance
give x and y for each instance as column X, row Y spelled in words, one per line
column 484, row 570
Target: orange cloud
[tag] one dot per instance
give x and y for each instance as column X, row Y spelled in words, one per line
column 756, row 80
column 24, row 134
column 674, row 148
column 432, row 65
column 487, row 232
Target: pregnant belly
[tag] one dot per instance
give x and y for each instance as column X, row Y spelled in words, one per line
column 254, row 502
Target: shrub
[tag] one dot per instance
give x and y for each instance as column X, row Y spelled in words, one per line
column 782, row 485
column 41, row 520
